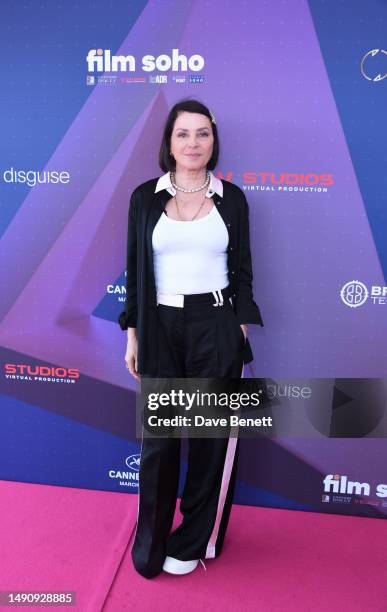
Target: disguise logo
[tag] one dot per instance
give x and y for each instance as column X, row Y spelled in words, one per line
column 339, row 489
column 355, row 294
column 128, row 478
column 35, row 177
column 366, row 65
column 102, row 60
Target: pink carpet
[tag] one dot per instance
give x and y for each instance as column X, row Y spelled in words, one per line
column 62, row 539
column 56, row 538
column 273, row 561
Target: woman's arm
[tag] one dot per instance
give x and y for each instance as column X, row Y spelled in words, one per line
column 128, row 318
column 246, row 309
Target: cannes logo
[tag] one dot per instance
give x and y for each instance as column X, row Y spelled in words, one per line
column 133, row 462
column 365, row 64
column 354, row 294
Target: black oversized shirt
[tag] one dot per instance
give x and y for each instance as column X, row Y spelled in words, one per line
column 145, row 209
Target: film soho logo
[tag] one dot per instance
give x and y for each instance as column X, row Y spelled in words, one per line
column 355, row 294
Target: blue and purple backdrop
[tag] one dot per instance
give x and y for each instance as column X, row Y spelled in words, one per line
column 299, row 91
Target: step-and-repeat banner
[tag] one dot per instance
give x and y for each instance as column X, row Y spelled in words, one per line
column 299, row 92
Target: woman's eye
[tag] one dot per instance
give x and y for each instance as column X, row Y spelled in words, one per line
column 184, row 134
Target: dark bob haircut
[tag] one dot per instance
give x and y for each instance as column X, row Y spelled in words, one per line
column 166, row 161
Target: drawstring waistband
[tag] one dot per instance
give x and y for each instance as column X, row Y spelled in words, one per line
column 218, row 298
column 179, row 300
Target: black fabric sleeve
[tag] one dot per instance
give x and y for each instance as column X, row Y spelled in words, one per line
column 128, row 317
column 247, row 311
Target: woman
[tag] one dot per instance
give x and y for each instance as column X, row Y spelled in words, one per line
column 188, row 251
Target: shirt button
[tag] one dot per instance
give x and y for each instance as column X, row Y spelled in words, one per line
column 228, row 224
column 231, row 248
column 232, row 272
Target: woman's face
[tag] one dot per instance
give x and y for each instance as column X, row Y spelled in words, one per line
column 192, row 141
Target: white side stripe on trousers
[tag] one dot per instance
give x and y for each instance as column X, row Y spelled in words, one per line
column 138, row 494
column 227, row 469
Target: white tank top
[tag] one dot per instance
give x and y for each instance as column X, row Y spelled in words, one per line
column 190, row 256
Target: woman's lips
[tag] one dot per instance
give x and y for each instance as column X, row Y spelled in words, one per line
column 193, row 154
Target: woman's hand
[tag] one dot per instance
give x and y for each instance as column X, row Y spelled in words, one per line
column 131, row 353
column 244, row 329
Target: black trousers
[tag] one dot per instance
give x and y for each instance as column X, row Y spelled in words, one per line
column 198, row 340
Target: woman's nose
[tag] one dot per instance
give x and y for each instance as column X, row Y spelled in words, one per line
column 192, row 142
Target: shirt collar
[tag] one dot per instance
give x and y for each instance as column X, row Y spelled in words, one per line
column 215, row 185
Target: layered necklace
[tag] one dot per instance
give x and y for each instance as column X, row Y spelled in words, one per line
column 194, row 190
column 176, row 186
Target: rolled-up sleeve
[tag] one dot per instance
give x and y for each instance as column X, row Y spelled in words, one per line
column 247, row 311
column 128, row 317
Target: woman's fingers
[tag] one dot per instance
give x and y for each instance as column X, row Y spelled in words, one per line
column 131, row 362
column 133, row 370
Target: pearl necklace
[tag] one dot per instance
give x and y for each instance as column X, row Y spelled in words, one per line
column 173, row 181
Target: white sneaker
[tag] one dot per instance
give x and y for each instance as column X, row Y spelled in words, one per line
column 175, row 566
